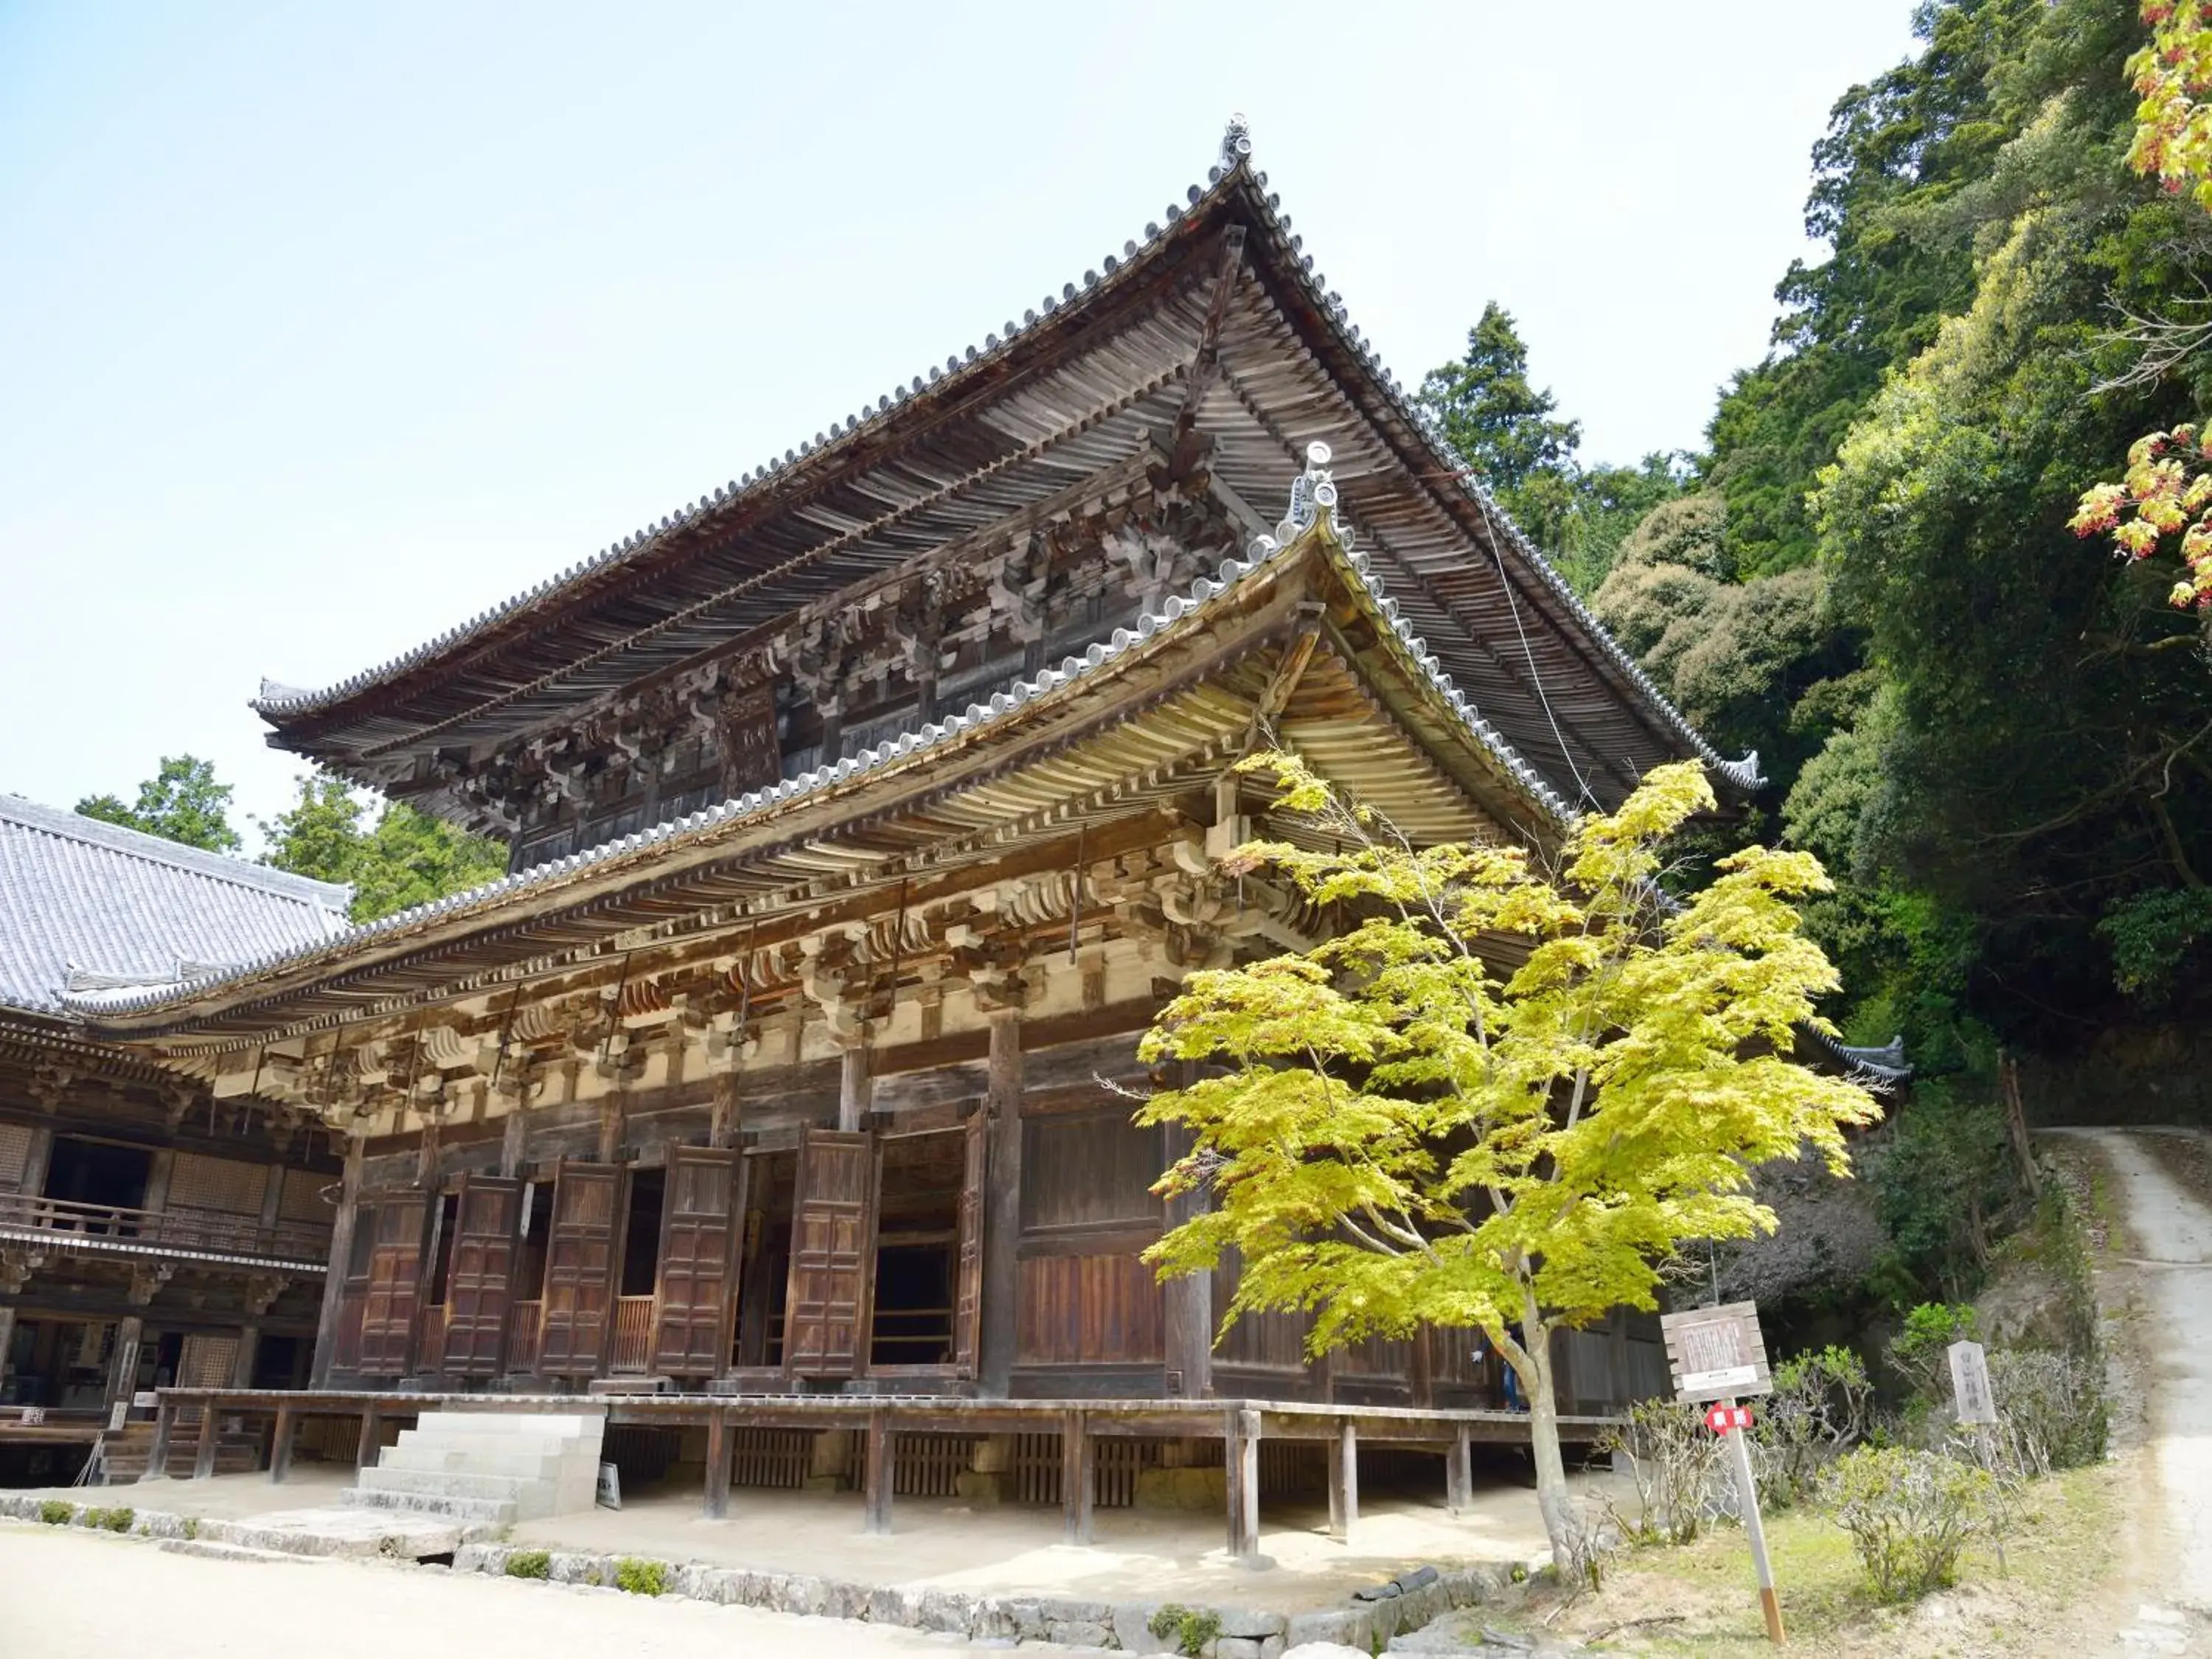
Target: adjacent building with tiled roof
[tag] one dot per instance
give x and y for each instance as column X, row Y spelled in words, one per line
column 148, row 1234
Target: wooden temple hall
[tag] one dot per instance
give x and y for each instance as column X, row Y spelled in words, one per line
column 864, row 811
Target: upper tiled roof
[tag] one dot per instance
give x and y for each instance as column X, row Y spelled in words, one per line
column 110, row 905
column 1002, row 425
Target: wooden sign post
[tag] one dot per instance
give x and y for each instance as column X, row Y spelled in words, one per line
column 1715, row 1355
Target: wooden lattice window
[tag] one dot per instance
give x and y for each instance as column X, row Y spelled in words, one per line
column 15, row 1154
column 303, row 1198
column 198, row 1183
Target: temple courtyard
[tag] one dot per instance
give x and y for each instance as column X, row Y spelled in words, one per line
column 941, row 1543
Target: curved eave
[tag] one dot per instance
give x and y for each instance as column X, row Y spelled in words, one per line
column 1512, row 790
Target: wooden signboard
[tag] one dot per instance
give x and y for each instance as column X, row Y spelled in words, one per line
column 480, row 1263
column 1716, row 1354
column 580, row 1269
column 1970, row 1383
column 832, row 1235
column 697, row 1269
column 967, row 1275
column 394, row 1286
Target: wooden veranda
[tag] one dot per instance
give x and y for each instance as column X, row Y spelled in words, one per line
column 1241, row 1427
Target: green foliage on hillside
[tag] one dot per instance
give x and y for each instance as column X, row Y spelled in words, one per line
column 404, row 858
column 182, row 802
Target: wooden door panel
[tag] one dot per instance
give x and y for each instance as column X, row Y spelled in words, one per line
column 968, row 1270
column 698, row 1230
column 833, row 1226
column 580, row 1267
column 479, row 1267
column 395, row 1276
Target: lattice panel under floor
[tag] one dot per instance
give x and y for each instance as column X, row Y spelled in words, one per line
column 770, row 1457
column 1292, row 1468
column 929, row 1465
column 1117, row 1463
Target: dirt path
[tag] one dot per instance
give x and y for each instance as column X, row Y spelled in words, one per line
column 73, row 1595
column 2157, row 1277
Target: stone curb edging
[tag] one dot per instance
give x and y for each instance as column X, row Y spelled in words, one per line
column 1404, row 1603
column 1372, row 1617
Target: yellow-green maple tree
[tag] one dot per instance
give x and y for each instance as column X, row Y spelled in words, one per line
column 1504, row 1096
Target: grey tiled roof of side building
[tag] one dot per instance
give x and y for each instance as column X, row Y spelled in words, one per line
column 81, row 896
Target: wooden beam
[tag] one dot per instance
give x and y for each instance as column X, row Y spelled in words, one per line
column 1002, row 1207
column 157, row 1454
column 203, row 1463
column 717, row 1466
column 280, row 1445
column 1459, row 1472
column 876, row 1480
column 1077, row 1472
column 372, row 1430
column 1241, row 1454
column 326, row 1323
column 1344, row 1483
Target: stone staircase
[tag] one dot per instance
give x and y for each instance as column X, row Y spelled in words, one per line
column 487, row 1468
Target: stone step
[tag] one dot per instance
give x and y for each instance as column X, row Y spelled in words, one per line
column 431, row 1458
column 559, row 1425
column 476, row 1511
column 447, row 1483
column 526, row 1445
column 214, row 1551
column 344, row 1531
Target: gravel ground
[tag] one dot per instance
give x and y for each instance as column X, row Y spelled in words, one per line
column 75, row 1594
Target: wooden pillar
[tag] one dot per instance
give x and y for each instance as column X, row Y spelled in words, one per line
column 157, row 1454
column 342, row 1226
column 718, row 1467
column 35, row 1160
column 876, row 1478
column 158, row 1171
column 1078, row 1460
column 1459, row 1472
column 1344, row 1483
column 122, row 1372
column 614, row 1124
column 855, row 1088
column 515, row 1141
column 1241, row 1452
column 7, row 1340
column 372, row 1430
column 726, row 1117
column 204, row 1462
column 1002, row 1207
column 273, row 1198
column 249, row 1351
column 280, row 1445
column 1187, row 1301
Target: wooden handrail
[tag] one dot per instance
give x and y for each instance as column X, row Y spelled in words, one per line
column 212, row 1231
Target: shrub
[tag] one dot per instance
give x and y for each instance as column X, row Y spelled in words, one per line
column 1674, row 1459
column 56, row 1513
column 1909, row 1513
column 2050, row 1410
column 115, row 1520
column 1921, row 1350
column 1192, row 1627
column 192, row 1528
column 529, row 1563
column 639, row 1576
column 1820, row 1408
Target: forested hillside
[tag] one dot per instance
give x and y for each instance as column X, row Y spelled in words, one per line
column 1996, row 735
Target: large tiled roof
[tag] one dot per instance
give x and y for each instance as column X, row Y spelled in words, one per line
column 1008, row 419
column 85, row 904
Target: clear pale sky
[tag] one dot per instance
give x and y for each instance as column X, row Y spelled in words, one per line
column 324, row 327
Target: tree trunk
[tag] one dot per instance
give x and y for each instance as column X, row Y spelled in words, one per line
column 1552, row 1499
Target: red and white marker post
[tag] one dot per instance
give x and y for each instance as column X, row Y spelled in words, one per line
column 1730, row 1421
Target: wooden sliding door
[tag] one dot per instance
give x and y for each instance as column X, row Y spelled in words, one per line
column 695, row 1291
column 480, row 1265
column 579, row 1268
column 832, row 1238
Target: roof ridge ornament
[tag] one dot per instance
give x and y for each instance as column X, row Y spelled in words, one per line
column 1312, row 502
column 1235, row 143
